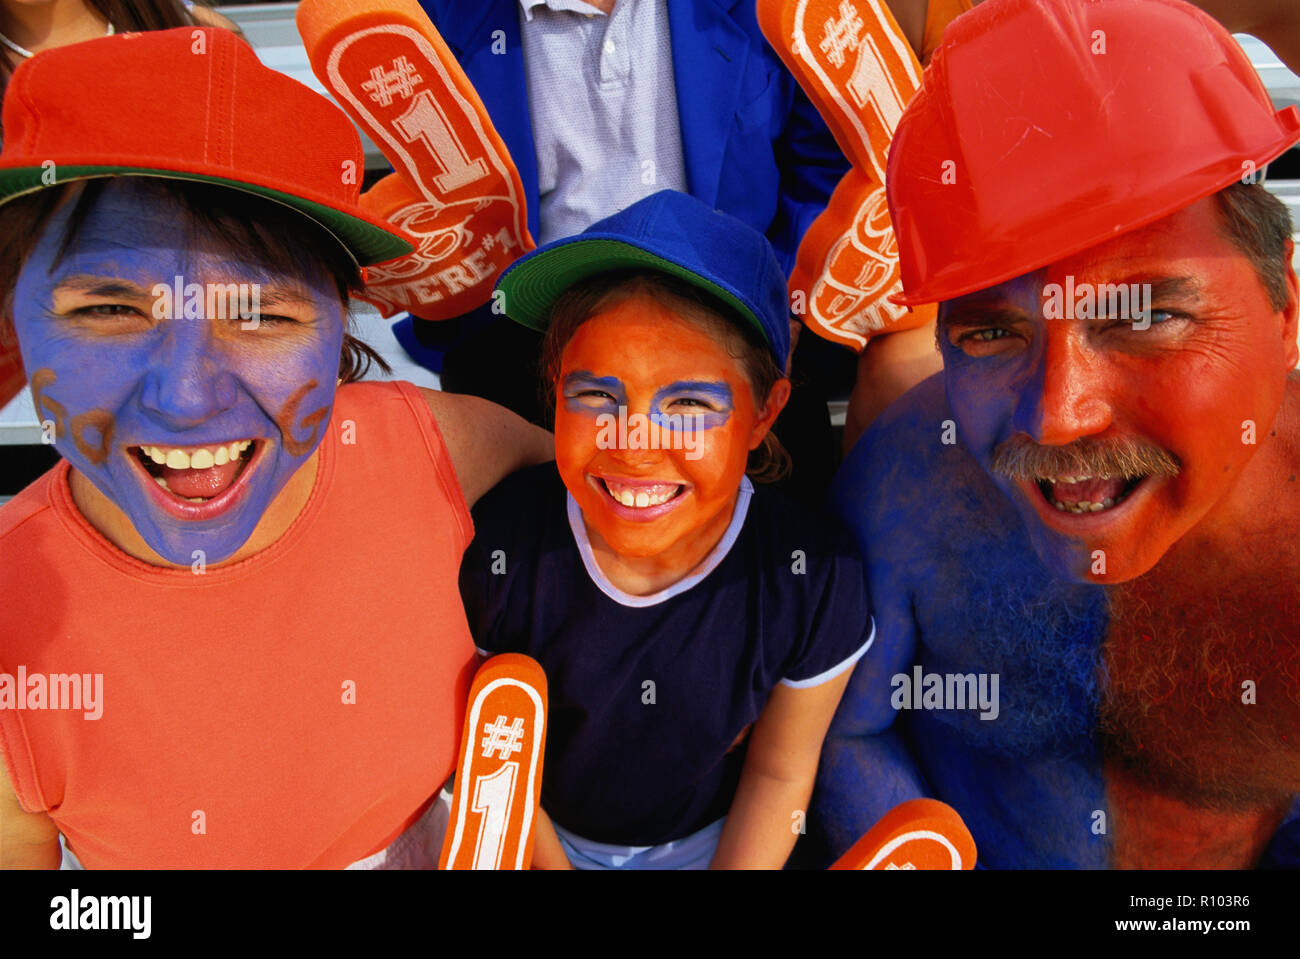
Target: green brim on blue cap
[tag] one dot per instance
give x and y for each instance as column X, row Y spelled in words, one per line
column 668, row 232
column 533, row 283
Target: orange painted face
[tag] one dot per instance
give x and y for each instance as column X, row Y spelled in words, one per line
column 654, row 421
column 1109, row 434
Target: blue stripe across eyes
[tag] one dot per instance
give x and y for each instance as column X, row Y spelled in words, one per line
column 715, row 410
column 582, row 389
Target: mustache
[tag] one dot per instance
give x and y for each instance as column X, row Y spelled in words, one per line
column 1020, row 458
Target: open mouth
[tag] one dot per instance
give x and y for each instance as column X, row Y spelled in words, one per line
column 196, row 482
column 640, row 499
column 1087, row 494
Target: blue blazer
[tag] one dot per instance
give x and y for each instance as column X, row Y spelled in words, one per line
column 754, row 145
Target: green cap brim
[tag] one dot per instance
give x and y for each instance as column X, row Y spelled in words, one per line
column 533, row 283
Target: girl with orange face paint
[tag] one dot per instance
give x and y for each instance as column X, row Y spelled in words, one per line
column 697, row 633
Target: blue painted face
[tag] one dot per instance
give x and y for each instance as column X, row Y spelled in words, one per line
column 185, row 414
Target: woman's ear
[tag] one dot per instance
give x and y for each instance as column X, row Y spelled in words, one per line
column 1289, row 312
column 777, row 397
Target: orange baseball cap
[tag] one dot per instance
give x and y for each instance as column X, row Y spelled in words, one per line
column 1044, row 127
column 188, row 104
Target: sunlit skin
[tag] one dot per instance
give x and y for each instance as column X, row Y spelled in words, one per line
column 639, row 354
column 178, row 383
column 1214, row 360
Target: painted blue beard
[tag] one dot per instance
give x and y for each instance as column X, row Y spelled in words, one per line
column 113, row 377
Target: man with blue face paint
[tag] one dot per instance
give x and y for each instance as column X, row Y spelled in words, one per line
column 230, row 631
column 1089, row 515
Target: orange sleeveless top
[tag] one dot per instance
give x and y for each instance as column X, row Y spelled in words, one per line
column 298, row 708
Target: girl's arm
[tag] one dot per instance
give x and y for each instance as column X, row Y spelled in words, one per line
column 486, row 442
column 777, row 780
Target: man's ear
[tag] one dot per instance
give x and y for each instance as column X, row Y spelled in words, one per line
column 1289, row 320
column 777, row 397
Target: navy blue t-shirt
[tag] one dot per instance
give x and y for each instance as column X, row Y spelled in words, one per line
column 648, row 694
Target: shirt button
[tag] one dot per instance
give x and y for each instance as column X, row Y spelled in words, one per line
column 609, row 46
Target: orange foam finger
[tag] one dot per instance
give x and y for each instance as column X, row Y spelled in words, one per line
column 499, row 777
column 856, row 67
column 917, row 834
column 456, row 190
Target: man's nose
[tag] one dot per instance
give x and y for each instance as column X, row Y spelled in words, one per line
column 1073, row 399
column 188, row 380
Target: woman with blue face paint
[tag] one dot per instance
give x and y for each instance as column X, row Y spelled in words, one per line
column 231, row 631
column 696, row 632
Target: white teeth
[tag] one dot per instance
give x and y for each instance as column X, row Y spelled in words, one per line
column 202, row 458
column 641, row 499
column 1083, row 506
column 195, row 499
column 162, row 482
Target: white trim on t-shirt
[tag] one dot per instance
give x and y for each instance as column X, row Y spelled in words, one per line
column 710, row 562
column 829, row 674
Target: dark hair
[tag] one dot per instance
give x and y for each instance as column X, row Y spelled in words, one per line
column 126, row 16
column 769, row 462
column 1259, row 225
column 245, row 227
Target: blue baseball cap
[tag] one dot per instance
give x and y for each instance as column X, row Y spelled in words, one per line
column 667, row 232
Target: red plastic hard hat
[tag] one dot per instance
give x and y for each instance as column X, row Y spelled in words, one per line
column 1045, row 127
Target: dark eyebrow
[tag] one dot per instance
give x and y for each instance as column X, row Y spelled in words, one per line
column 283, row 297
column 1176, row 288
column 704, row 386
column 102, row 286
column 980, row 314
